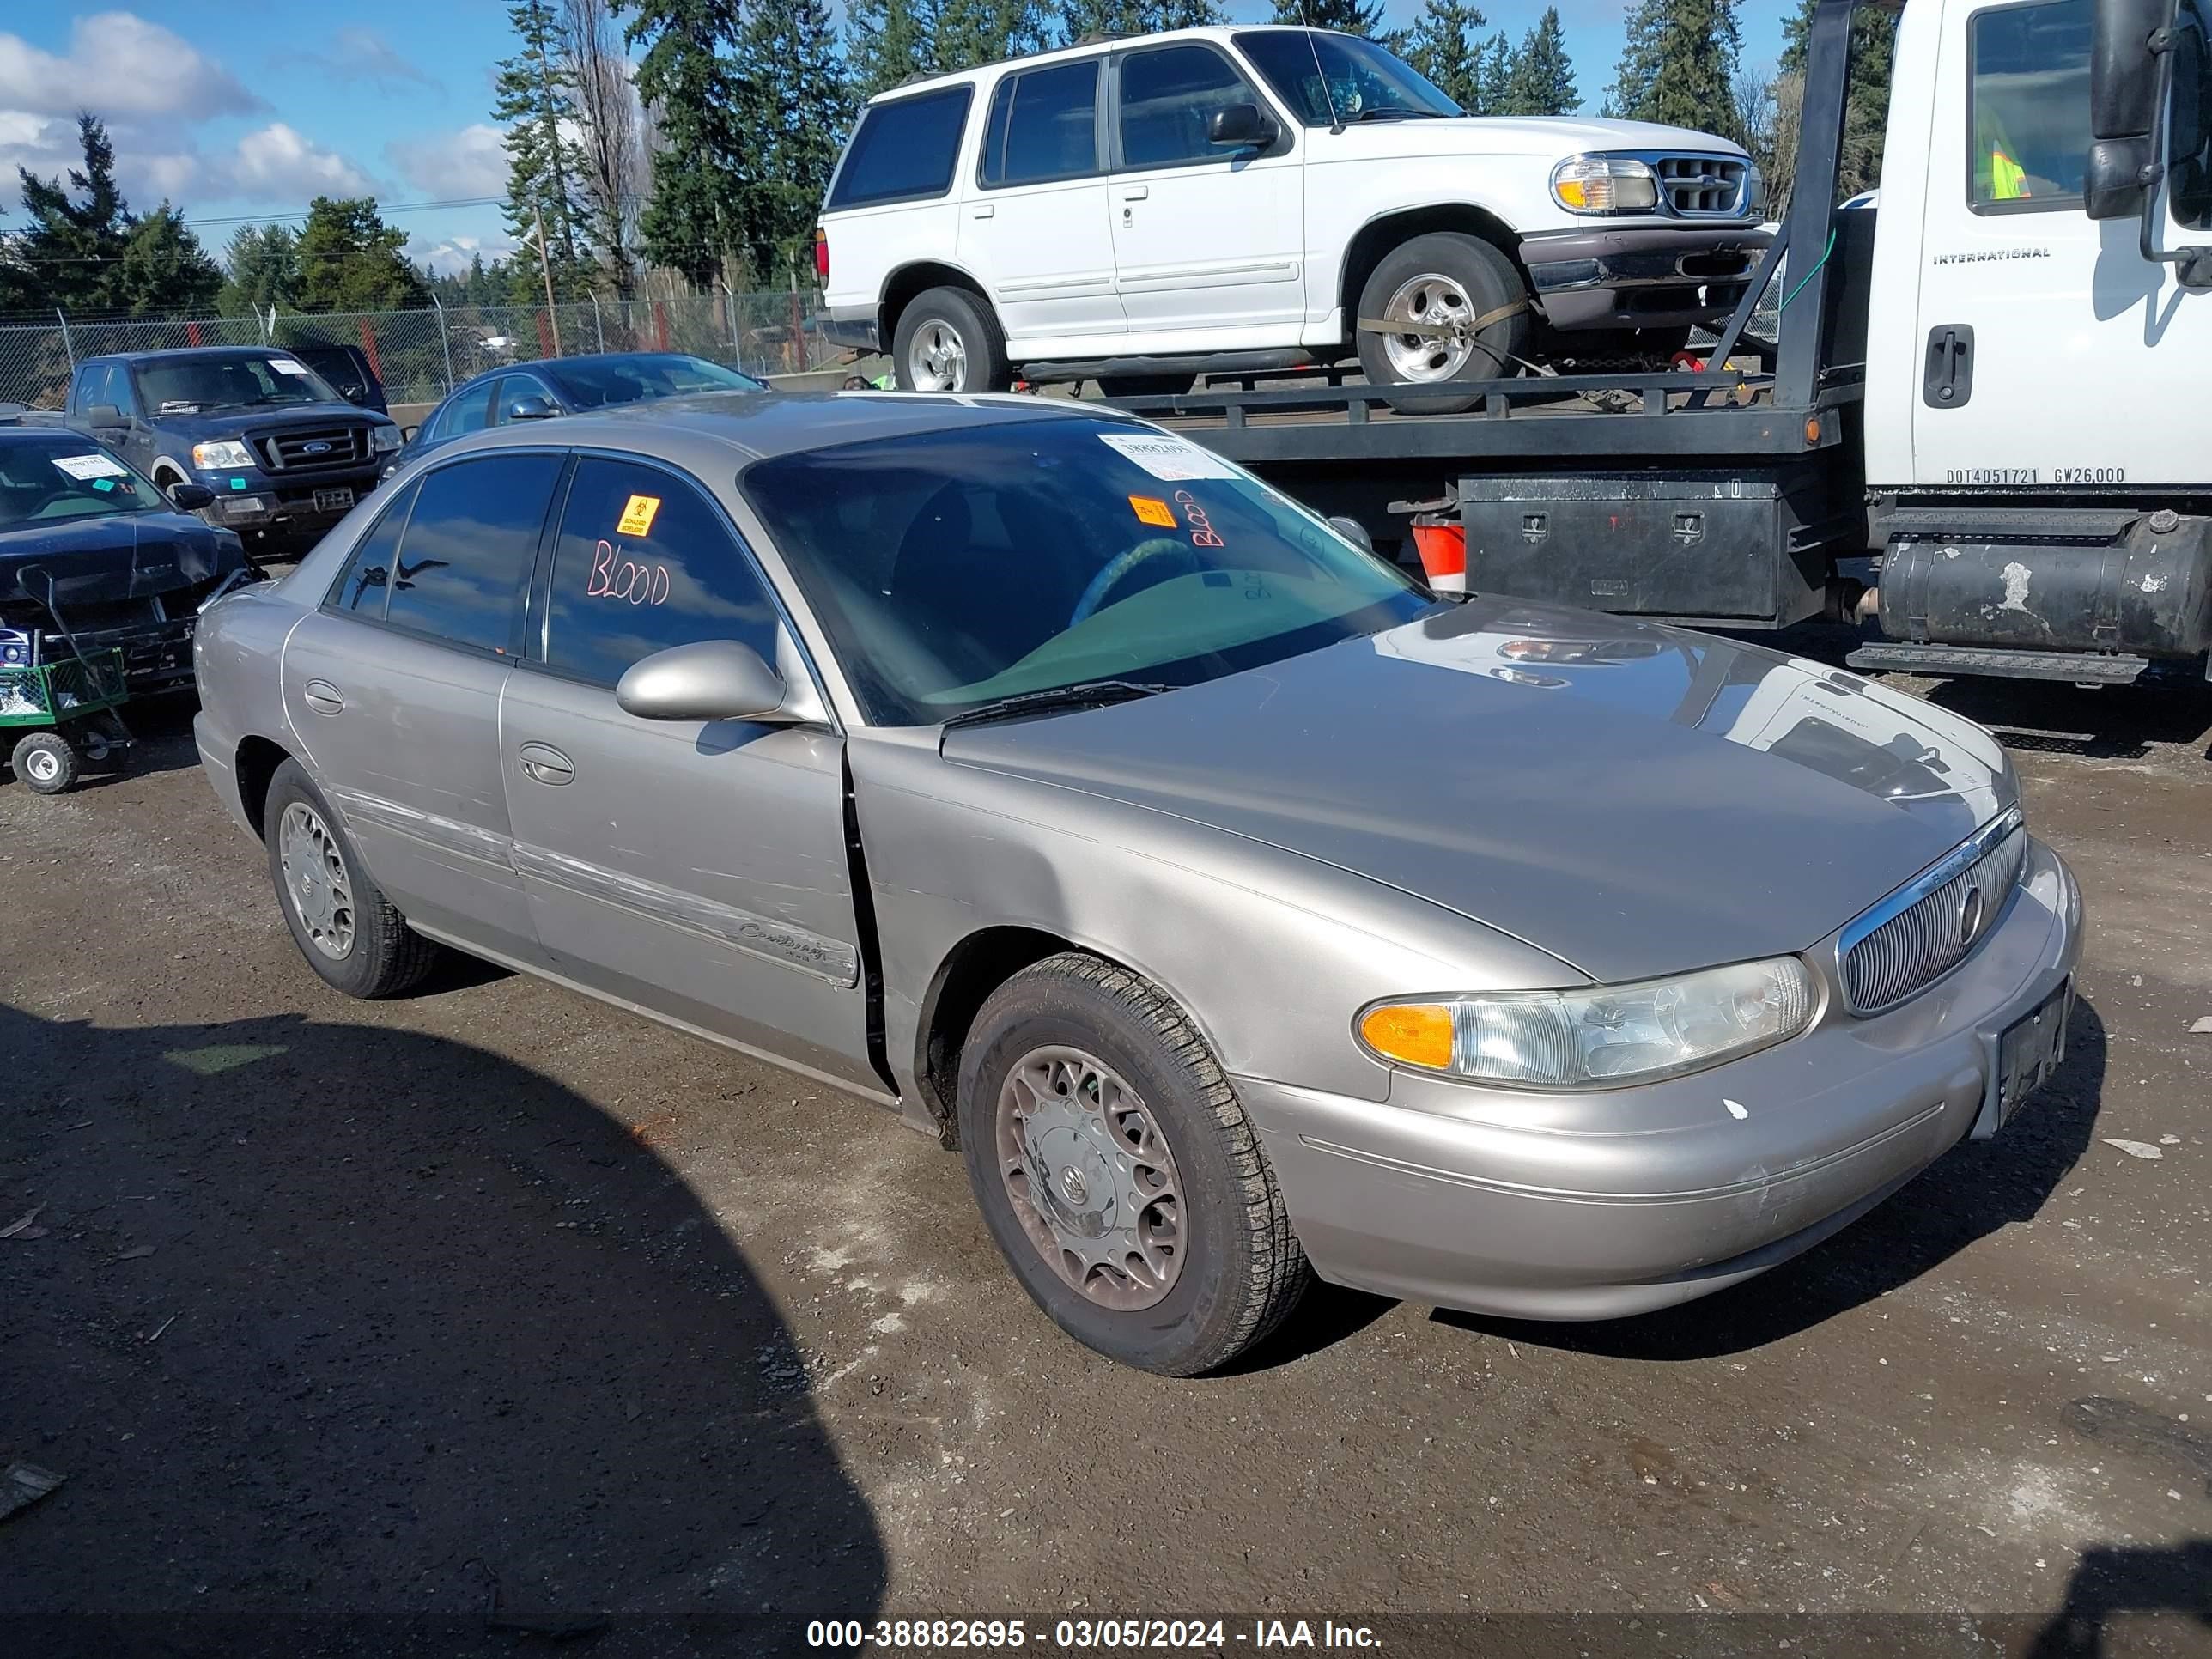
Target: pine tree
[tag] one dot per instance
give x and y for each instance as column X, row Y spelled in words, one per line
column 704, row 155
column 74, row 242
column 1678, row 65
column 264, row 262
column 536, row 104
column 799, row 112
column 1444, row 45
column 164, row 271
column 1866, row 99
column 886, row 42
column 1494, row 78
column 1543, row 78
column 350, row 259
column 1345, row 16
column 966, row 33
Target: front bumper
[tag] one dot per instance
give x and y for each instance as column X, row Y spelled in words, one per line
column 1640, row 278
column 1599, row 1205
column 266, row 513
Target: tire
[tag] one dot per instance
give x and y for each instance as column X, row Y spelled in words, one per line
column 1146, row 385
column 46, row 762
column 1445, row 275
column 1222, row 1268
column 339, row 918
column 965, row 321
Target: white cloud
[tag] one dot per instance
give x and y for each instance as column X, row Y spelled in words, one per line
column 361, row 55
column 277, row 164
column 119, row 66
column 451, row 256
column 451, row 166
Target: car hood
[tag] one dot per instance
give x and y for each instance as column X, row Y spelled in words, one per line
column 1518, row 135
column 125, row 556
column 279, row 417
column 1635, row 800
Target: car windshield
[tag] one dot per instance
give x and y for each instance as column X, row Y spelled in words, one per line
column 243, row 379
column 592, row 383
column 45, row 479
column 1328, row 78
column 956, row 568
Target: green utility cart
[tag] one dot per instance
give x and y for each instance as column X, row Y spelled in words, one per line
column 59, row 715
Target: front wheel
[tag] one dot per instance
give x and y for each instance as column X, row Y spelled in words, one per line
column 947, row 341
column 1460, row 310
column 1118, row 1173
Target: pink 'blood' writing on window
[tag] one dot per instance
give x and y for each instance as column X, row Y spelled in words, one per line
column 614, row 577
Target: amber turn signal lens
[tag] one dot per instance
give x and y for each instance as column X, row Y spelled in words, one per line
column 1417, row 1033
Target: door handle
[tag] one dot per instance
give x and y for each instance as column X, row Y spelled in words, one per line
column 322, row 697
column 1136, row 193
column 984, row 211
column 1949, row 380
column 547, row 764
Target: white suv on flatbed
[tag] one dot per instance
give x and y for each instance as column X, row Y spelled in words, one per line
column 1142, row 210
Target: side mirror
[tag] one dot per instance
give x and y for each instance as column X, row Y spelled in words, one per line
column 712, row 680
column 407, row 434
column 190, row 497
column 1352, row 530
column 2127, row 49
column 1243, row 126
column 100, row 415
column 531, row 409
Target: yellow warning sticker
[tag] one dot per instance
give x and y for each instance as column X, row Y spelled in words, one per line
column 637, row 517
column 1149, row 511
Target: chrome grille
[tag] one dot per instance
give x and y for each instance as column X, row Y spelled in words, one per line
column 1702, row 187
column 310, row 447
column 1906, row 950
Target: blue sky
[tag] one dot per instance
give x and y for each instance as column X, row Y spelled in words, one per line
column 253, row 107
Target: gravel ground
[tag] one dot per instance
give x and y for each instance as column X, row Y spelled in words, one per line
column 494, row 1318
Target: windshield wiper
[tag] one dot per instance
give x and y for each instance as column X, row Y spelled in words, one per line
column 1397, row 112
column 1084, row 694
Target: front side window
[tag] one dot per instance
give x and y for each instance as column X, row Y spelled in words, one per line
column 904, row 150
column 186, row 386
column 1328, row 78
column 465, row 562
column 955, row 568
column 2189, row 120
column 46, row 480
column 1168, row 100
column 2027, row 133
column 644, row 562
column 1044, row 126
column 366, row 582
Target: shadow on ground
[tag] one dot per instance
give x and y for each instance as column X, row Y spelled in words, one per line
column 353, row 1340
column 2132, row 1598
column 1975, row 1189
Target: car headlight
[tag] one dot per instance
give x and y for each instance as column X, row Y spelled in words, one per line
column 222, row 452
column 1605, row 184
column 1599, row 1037
column 383, row 439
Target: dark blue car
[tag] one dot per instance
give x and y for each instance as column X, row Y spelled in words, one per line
column 568, row 386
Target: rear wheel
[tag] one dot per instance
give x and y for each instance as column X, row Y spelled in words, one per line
column 46, row 762
column 344, row 927
column 1118, row 1173
column 1465, row 315
column 948, row 341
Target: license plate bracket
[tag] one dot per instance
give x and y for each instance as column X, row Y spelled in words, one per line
column 2031, row 1049
column 338, row 499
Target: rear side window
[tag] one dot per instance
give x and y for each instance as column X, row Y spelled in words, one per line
column 1044, row 126
column 366, row 582
column 644, row 562
column 465, row 562
column 2027, row 136
column 1168, row 98
column 904, row 150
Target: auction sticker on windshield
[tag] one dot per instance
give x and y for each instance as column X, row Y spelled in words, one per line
column 92, row 466
column 286, row 366
column 1169, row 460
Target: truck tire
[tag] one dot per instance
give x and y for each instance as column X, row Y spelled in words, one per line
column 46, row 762
column 338, row 916
column 947, row 340
column 1118, row 1173
column 1446, row 277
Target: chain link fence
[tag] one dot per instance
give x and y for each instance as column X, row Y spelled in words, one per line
column 420, row 355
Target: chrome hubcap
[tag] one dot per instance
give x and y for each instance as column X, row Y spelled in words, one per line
column 1440, row 351
column 316, row 883
column 1092, row 1178
column 937, row 359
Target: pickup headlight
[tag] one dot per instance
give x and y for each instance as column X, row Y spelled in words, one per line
column 221, row 453
column 1605, row 184
column 1600, row 1037
column 383, row 439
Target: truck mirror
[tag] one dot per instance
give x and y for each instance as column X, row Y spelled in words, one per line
column 2126, row 81
column 97, row 416
column 1241, row 125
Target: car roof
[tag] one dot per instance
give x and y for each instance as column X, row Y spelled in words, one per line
column 527, row 365
column 703, row 431
column 184, row 351
column 1086, row 47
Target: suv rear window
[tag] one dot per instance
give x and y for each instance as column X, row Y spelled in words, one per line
column 904, row 150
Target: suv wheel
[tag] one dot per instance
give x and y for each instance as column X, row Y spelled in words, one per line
column 948, row 341
column 1118, row 1173
column 1460, row 294
column 347, row 929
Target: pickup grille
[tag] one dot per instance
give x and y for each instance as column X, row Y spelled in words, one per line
column 298, row 452
column 1703, row 187
column 1931, row 936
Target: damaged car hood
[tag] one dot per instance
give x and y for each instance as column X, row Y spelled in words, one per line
column 121, row 557
column 1636, row 799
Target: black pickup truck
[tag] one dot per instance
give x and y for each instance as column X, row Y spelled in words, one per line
column 284, row 455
